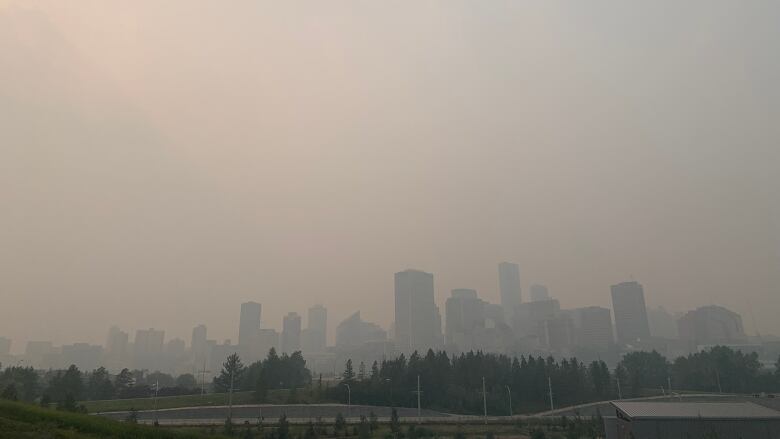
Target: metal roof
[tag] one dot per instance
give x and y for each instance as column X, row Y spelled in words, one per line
column 694, row 410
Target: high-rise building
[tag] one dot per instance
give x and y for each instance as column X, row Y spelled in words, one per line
column 5, row 346
column 249, row 323
column 663, row 324
column 593, row 326
column 710, row 325
column 417, row 318
column 465, row 317
column 539, row 293
column 36, row 351
column 291, row 333
column 628, row 304
column 556, row 333
column 267, row 339
column 354, row 332
column 199, row 344
column 509, row 286
column 317, row 329
column 84, row 355
column 116, row 348
column 529, row 315
column 148, row 348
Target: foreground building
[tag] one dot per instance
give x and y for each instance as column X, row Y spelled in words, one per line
column 664, row 420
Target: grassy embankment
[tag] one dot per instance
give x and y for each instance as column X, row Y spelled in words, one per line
column 20, row 421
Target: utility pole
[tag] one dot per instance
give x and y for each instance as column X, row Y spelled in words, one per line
column 549, row 385
column 620, row 394
column 484, row 400
column 156, row 418
column 203, row 373
column 349, row 401
column 509, row 391
column 418, row 392
column 669, row 383
column 717, row 377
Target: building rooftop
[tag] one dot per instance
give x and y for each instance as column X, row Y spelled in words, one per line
column 694, row 410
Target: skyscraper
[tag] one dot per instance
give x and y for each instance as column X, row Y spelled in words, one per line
column 465, row 314
column 417, row 319
column 509, row 286
column 291, row 333
column 539, row 292
column 147, row 348
column 116, row 348
column 318, row 328
column 199, row 344
column 354, row 332
column 628, row 304
column 594, row 327
column 711, row 325
column 249, row 323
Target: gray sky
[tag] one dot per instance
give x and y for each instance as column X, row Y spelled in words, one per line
column 161, row 162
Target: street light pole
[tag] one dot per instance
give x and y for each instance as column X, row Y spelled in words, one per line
column 418, row 392
column 230, row 399
column 549, row 385
column 509, row 391
column 156, row 388
column 349, row 400
column 484, row 400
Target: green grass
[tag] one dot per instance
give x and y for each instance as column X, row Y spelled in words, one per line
column 281, row 396
column 20, row 421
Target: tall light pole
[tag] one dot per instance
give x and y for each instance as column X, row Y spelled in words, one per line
column 620, row 394
column 156, row 388
column 509, row 391
column 549, row 385
column 484, row 400
column 388, row 380
column 203, row 373
column 349, row 400
column 418, row 392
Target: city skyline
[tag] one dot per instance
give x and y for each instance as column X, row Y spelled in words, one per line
column 162, row 163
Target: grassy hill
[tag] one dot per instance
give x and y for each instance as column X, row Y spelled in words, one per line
column 19, row 421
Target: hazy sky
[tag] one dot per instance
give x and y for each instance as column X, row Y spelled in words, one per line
column 162, row 162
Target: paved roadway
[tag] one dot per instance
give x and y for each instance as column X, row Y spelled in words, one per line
column 296, row 413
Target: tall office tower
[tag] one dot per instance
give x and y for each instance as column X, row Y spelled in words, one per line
column 663, row 324
column 267, row 339
column 529, row 315
column 199, row 345
column 116, row 347
column 628, row 304
column 509, row 285
column 249, row 323
column 318, row 328
column 354, row 332
column 417, row 318
column 556, row 333
column 539, row 292
column 465, row 314
column 5, row 346
column 291, row 333
column 594, row 327
column 711, row 325
column 148, row 348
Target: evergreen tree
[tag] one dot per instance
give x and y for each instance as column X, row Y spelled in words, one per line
column 349, row 372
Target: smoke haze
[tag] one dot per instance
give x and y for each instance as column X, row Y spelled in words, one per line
column 162, row 162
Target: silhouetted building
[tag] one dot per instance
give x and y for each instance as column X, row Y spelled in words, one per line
column 315, row 335
column 529, row 315
column 148, row 348
column 539, row 293
column 628, row 304
column 556, row 333
column 662, row 323
column 115, row 353
column 291, row 333
column 354, row 332
column 593, row 325
column 249, row 323
column 267, row 339
column 711, row 325
column 199, row 345
column 465, row 319
column 417, row 318
column 84, row 355
column 36, row 351
column 509, row 286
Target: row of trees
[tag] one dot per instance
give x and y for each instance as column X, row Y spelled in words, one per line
column 455, row 384
column 274, row 372
column 66, row 386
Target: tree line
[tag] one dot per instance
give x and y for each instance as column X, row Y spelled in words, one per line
column 455, row 383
